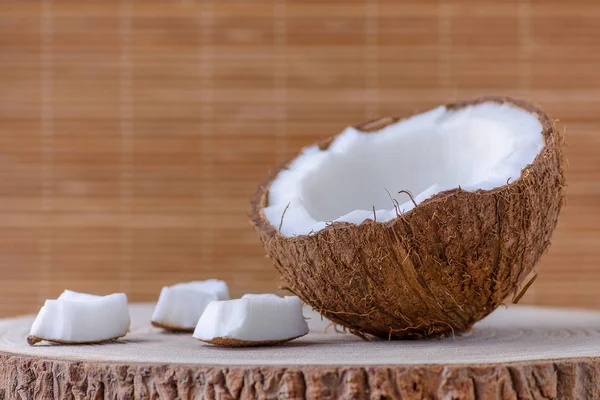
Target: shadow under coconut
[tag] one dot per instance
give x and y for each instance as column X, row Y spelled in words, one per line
column 136, row 340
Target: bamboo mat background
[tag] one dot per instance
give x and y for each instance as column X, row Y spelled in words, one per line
column 133, row 134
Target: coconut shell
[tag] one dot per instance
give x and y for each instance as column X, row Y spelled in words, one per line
column 432, row 271
column 171, row 328
column 32, row 340
column 230, row 342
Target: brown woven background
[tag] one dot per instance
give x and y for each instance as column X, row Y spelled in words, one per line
column 132, row 134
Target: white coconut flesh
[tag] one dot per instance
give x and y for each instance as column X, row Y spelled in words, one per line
column 76, row 296
column 482, row 146
column 254, row 318
column 181, row 305
column 82, row 318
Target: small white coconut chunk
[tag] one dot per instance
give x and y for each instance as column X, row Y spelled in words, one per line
column 253, row 319
column 180, row 306
column 363, row 175
column 81, row 318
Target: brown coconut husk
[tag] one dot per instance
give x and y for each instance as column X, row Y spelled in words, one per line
column 435, row 270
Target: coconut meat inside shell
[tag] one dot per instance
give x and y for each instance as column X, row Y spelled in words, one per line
column 482, row 146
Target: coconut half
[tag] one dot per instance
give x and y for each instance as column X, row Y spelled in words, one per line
column 253, row 320
column 81, row 318
column 416, row 227
column 180, row 306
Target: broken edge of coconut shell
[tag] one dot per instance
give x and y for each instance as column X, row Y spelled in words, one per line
column 260, row 199
column 230, row 342
column 171, row 328
column 32, row 340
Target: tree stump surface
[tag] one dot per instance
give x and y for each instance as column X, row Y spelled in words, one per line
column 516, row 352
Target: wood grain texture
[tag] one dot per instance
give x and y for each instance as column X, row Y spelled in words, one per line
column 27, row 378
column 555, row 356
column 133, row 134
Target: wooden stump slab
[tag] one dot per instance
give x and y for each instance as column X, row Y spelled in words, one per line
column 518, row 352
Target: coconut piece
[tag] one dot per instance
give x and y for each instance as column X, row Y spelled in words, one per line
column 416, row 227
column 180, row 306
column 81, row 318
column 253, row 320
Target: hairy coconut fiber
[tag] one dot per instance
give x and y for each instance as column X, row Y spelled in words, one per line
column 434, row 270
